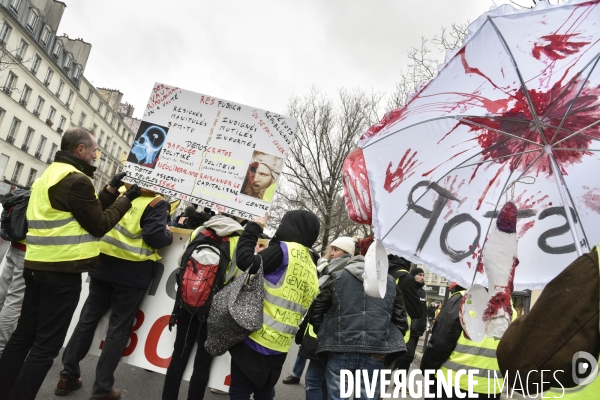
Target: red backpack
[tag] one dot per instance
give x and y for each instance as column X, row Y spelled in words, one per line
column 202, row 271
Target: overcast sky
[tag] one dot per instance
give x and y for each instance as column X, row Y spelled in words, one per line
column 255, row 52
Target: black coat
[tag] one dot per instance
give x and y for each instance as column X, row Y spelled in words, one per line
column 398, row 269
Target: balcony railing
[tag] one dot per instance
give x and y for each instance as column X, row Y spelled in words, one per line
column 38, row 155
column 25, row 147
column 7, row 90
column 23, row 102
column 59, row 130
column 36, row 113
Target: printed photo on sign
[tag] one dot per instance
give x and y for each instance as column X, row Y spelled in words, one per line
column 262, row 175
column 148, row 144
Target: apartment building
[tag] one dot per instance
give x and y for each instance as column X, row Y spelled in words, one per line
column 43, row 92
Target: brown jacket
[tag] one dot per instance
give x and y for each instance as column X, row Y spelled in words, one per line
column 563, row 321
column 76, row 194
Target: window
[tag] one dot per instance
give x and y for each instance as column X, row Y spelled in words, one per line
column 45, row 35
column 25, row 96
column 60, row 87
column 32, row 19
column 3, row 161
column 106, row 113
column 100, row 137
column 94, row 127
column 14, row 5
column 48, row 77
column 31, row 177
column 13, row 130
column 28, row 138
column 11, row 83
column 99, row 106
column 57, row 49
column 39, row 104
column 61, row 124
column 68, row 103
column 89, row 95
column 112, row 150
column 82, row 119
column 68, row 62
column 52, row 152
column 51, row 115
column 17, row 172
column 119, row 152
column 37, row 60
column 21, row 50
column 107, row 143
column 77, row 73
column 5, row 33
column 40, row 147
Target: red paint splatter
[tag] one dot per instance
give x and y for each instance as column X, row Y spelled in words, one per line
column 488, row 186
column 357, row 192
column 476, row 255
column 592, row 199
column 403, row 171
column 501, row 299
column 526, row 226
column 557, row 47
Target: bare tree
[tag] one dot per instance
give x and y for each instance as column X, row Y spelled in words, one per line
column 312, row 179
column 424, row 62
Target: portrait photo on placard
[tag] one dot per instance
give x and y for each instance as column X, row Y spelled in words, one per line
column 147, row 145
column 261, row 177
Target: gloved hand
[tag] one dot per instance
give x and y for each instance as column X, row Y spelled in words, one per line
column 117, row 180
column 133, row 192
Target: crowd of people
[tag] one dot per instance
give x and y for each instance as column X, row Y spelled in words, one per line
column 115, row 235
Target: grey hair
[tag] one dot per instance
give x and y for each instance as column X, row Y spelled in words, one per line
column 75, row 136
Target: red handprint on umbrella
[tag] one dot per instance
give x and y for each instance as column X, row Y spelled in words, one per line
column 403, row 171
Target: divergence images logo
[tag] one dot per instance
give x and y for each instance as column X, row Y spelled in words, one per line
column 585, row 368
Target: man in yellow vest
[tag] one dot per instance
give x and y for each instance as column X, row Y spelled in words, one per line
column 291, row 284
column 557, row 344
column 124, row 273
column 450, row 350
column 66, row 220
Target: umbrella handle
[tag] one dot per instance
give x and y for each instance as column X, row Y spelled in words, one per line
column 563, row 196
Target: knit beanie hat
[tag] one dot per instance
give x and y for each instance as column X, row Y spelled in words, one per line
column 416, row 271
column 345, row 243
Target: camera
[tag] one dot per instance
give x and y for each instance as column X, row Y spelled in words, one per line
column 199, row 218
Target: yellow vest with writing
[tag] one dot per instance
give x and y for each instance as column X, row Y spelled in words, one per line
column 469, row 355
column 287, row 300
column 125, row 239
column 53, row 235
column 590, row 391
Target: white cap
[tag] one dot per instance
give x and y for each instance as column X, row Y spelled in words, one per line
column 346, row 244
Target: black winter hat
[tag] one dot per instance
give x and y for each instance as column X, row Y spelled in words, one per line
column 416, row 271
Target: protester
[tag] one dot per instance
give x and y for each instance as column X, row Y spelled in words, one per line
column 12, row 290
column 191, row 324
column 431, row 311
column 341, row 250
column 449, row 349
column 417, row 325
column 124, row 273
column 348, row 342
column 180, row 220
column 66, row 221
column 563, row 322
column 256, row 363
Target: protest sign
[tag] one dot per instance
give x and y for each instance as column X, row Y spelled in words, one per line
column 151, row 343
column 210, row 151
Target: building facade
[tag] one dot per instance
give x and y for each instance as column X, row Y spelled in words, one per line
column 43, row 92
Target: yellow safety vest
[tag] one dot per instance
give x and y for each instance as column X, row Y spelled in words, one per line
column 407, row 334
column 125, row 239
column 287, row 300
column 590, row 391
column 53, row 235
column 469, row 355
column 233, row 241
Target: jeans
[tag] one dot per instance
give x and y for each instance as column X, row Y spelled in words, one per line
column 353, row 362
column 241, row 387
column 124, row 303
column 299, row 365
column 316, row 387
column 12, row 290
column 48, row 306
column 189, row 330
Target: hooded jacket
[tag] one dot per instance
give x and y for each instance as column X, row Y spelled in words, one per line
column 398, row 269
column 299, row 226
column 349, row 321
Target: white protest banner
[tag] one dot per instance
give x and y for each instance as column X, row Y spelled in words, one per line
column 210, row 151
column 151, row 343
